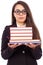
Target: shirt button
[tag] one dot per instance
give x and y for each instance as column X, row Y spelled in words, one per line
column 23, row 51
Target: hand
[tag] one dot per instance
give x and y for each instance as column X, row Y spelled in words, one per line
column 31, row 45
column 13, row 45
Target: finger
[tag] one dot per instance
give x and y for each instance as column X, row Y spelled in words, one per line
column 10, row 44
column 31, row 45
column 28, row 45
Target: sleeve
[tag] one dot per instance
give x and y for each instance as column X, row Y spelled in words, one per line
column 37, row 52
column 6, row 52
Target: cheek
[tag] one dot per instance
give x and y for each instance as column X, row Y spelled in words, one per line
column 16, row 17
column 25, row 17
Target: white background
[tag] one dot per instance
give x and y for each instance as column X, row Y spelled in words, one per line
column 36, row 7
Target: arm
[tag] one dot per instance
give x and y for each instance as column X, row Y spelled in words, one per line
column 6, row 51
column 36, row 52
column 35, row 49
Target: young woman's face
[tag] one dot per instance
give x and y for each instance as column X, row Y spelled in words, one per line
column 20, row 13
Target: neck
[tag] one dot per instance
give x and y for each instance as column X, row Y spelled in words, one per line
column 20, row 23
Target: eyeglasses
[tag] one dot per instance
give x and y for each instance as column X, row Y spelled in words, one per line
column 18, row 11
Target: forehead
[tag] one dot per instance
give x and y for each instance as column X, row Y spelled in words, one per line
column 19, row 6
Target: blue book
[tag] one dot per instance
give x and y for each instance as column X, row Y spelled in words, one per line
column 26, row 42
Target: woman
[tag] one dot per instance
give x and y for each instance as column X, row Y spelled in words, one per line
column 21, row 54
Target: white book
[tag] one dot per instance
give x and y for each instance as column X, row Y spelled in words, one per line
column 20, row 33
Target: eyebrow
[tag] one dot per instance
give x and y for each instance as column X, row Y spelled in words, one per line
column 19, row 9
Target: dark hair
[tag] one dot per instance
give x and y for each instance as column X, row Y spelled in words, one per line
column 29, row 20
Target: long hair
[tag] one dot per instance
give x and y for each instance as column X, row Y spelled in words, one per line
column 29, row 20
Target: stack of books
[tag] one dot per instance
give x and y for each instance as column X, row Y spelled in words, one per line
column 21, row 35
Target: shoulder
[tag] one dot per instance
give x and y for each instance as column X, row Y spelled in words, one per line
column 8, row 26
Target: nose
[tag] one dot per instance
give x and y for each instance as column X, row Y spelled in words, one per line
column 21, row 13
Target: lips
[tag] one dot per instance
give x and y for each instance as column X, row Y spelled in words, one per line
column 21, row 17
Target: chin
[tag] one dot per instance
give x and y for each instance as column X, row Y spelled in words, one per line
column 21, row 20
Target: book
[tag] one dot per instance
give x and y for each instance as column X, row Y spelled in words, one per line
column 27, row 42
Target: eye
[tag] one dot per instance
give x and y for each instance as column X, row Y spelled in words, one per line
column 17, row 11
column 24, row 11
